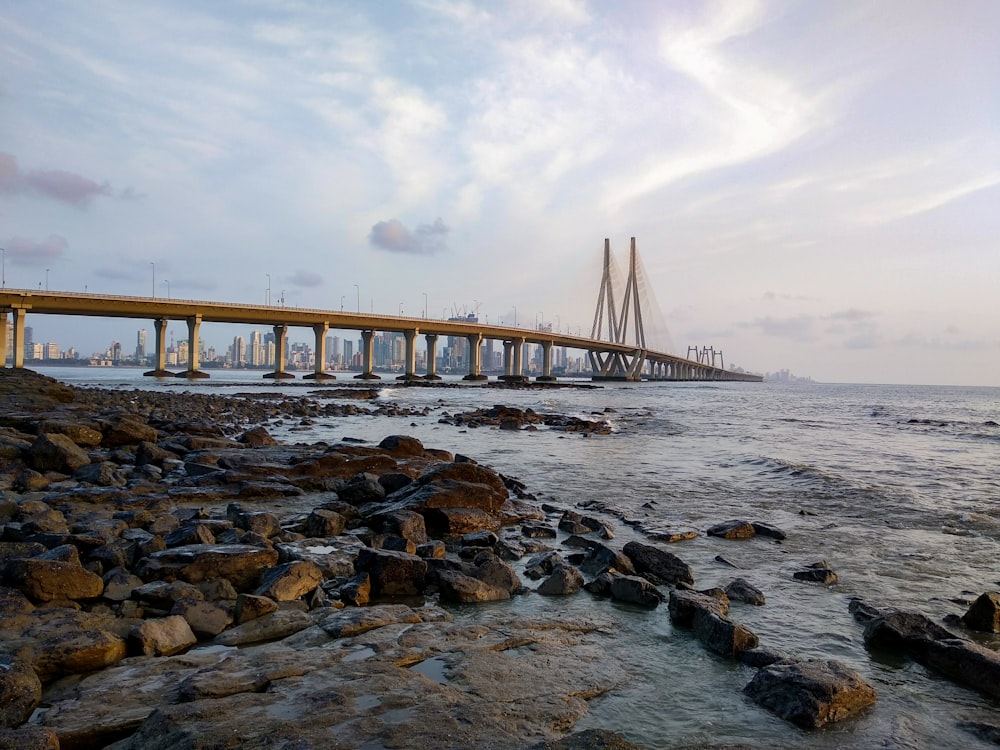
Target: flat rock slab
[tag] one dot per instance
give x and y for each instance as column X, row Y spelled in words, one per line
column 241, row 564
column 810, row 693
column 347, row 623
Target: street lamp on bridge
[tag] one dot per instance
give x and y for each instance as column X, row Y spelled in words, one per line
column 46, row 279
column 342, row 303
column 153, row 264
column 268, row 288
column 358, row 290
column 167, row 282
column 425, row 304
column 3, row 268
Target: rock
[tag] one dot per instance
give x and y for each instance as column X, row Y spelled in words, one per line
column 684, row 604
column 458, row 587
column 257, row 437
column 589, row 739
column 279, row 624
column 48, row 580
column 984, row 614
column 600, row 558
column 241, row 564
column 189, row 533
column 402, row 445
column 635, row 590
column 542, row 564
column 761, row 656
column 13, row 602
column 490, row 569
column 810, row 693
column 250, row 607
column 392, row 573
column 964, row 662
column 119, row 585
column 163, row 636
column 163, row 595
column 55, row 452
column 657, row 565
column 816, row 575
column 983, row 730
column 741, row 590
column 148, row 453
column 538, row 531
column 325, row 523
column 357, row 591
column 734, row 529
column 206, row 619
column 481, row 539
column 76, row 652
column 721, row 635
column 290, row 581
column 20, row 691
column 435, row 549
column 766, row 529
column 258, row 521
column 455, row 485
column 564, row 580
column 128, row 431
column 104, row 474
column 907, row 632
column 450, row 522
column 29, row 738
column 364, row 488
column 334, row 556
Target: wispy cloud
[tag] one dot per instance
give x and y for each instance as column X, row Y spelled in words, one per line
column 22, row 251
column 55, row 184
column 306, row 279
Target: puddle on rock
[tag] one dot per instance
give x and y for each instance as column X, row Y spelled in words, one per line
column 367, row 702
column 361, row 653
column 433, row 669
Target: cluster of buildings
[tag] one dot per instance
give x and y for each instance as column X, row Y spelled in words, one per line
column 257, row 351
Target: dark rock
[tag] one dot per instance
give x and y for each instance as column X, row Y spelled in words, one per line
column 20, row 691
column 538, row 531
column 816, row 575
column 455, row 521
column 357, row 591
column 55, row 452
column 364, row 488
column 128, row 431
column 458, row 587
column 324, row 523
column 257, row 437
column 741, row 590
column 189, row 533
column 657, row 565
column 482, row 539
column 393, row 481
column 735, row 529
column 392, row 573
column 761, row 656
column 402, row 445
column 433, row 549
column 542, row 564
column 685, row 604
column 722, row 636
column 766, row 529
column 290, row 581
column 104, row 474
column 984, row 731
column 163, row 637
column 588, row 739
column 635, row 590
column 406, row 524
column 241, row 564
column 492, row 570
column 564, row 580
column 810, row 693
column 984, row 614
column 862, row 611
column 601, row 558
column 908, row 632
column 29, row 738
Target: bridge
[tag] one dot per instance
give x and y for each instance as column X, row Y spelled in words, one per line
column 622, row 355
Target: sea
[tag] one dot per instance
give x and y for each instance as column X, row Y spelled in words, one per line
column 895, row 487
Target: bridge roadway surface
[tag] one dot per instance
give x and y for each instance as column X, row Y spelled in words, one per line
column 21, row 302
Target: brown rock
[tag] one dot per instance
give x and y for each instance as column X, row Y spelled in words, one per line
column 77, row 652
column 29, row 738
column 20, row 691
column 164, row 636
column 290, row 581
column 55, row 452
column 250, row 607
column 48, row 580
column 240, row 563
column 984, row 614
column 206, row 619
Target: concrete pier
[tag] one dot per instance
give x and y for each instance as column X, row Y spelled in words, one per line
column 410, row 356
column 367, row 357
column 475, row 365
column 194, row 349
column 320, row 330
column 280, row 360
column 513, row 361
column 431, row 339
column 160, row 335
column 546, row 376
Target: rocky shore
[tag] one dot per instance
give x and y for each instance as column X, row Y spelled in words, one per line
column 172, row 577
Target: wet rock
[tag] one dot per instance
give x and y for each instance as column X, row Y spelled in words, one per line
column 741, row 590
column 965, row 663
column 290, row 581
column 455, row 586
column 601, row 558
column 862, row 611
column 402, row 445
column 20, row 691
column 572, row 523
column 542, row 564
column 55, row 452
column 128, row 431
column 334, row 556
column 538, row 531
column 984, row 614
column 455, row 521
column 279, row 624
column 634, row 590
column 767, row 530
column 685, row 604
column 455, row 485
column 563, row 581
column 364, row 488
column 589, row 739
column 104, row 474
column 46, row 579
column 734, row 529
column 148, row 453
column 762, row 656
column 983, row 730
column 357, row 591
column 163, row 636
column 908, row 632
column 811, row 693
column 816, row 573
column 435, row 549
column 392, row 573
column 406, row 524
column 657, row 565
column 490, row 569
column 257, row 437
column 721, row 635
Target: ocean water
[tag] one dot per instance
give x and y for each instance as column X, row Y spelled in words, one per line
column 897, row 488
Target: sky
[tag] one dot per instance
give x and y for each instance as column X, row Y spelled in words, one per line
column 811, row 185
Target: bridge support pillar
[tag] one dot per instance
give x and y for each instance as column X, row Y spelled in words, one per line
column 160, row 365
column 3, row 338
column 319, row 373
column 410, row 363
column 280, row 361
column 546, row 376
column 513, row 352
column 17, row 355
column 194, row 348
column 475, row 357
column 367, row 357
column 432, row 339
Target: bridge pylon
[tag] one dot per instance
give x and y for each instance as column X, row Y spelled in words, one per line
column 620, row 322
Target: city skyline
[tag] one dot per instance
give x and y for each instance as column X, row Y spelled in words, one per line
column 812, row 186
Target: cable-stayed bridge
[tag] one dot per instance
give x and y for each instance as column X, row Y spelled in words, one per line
column 617, row 346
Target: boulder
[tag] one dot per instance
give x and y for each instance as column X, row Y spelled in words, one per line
column 966, row 663
column 741, row 590
column 564, row 580
column 684, row 604
column 241, row 564
column 734, row 529
column 206, row 619
column 816, row 574
column 128, row 431
column 257, row 437
column 454, row 485
column 189, row 533
column 334, row 556
column 657, row 565
column 455, row 521
column 635, row 590
column 20, row 691
column 164, row 636
column 347, row 623
column 55, row 452
column 29, row 738
column 542, row 564
column 405, row 523
column 721, row 635
column 48, row 580
column 103, row 474
column 460, row 588
column 76, row 652
column 538, row 531
column 250, row 607
column 357, row 591
column 290, row 581
column 258, row 521
column 392, row 573
column 325, row 523
column 490, row 569
column 279, row 624
column 600, row 558
column 766, row 529
column 984, row 614
column 402, row 445
column 810, row 693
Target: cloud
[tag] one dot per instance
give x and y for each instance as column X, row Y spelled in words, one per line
column 24, row 252
column 306, row 279
column 56, row 184
column 428, row 239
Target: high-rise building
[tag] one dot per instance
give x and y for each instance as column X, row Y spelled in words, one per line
column 348, row 353
column 256, row 349
column 140, row 345
column 239, row 352
column 29, row 342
